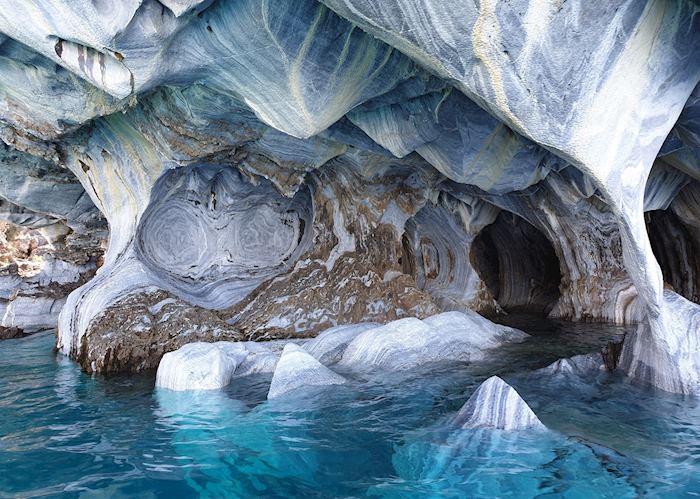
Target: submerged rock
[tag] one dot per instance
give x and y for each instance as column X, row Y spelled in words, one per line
column 8, row 333
column 296, row 370
column 496, row 404
column 208, row 366
column 577, row 365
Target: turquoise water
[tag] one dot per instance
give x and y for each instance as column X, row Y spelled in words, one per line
column 69, row 434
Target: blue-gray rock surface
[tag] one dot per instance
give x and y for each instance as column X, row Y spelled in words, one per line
column 260, row 170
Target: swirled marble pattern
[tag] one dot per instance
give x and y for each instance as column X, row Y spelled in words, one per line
column 270, row 169
column 214, row 237
column 437, row 246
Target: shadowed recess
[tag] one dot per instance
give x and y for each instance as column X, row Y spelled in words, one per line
column 677, row 249
column 518, row 265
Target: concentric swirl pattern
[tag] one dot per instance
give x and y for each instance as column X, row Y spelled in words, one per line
column 211, row 237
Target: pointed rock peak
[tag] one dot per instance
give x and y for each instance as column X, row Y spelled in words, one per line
column 577, row 365
column 496, row 404
column 297, row 369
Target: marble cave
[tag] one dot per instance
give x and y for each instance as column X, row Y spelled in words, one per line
column 350, row 248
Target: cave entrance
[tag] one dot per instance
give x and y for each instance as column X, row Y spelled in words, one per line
column 518, row 265
column 677, row 250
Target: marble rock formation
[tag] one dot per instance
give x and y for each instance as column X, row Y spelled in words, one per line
column 328, row 347
column 408, row 343
column 267, row 170
column 297, row 370
column 577, row 365
column 262, row 357
column 200, row 366
column 398, row 345
column 495, row 404
column 210, row 366
column 51, row 242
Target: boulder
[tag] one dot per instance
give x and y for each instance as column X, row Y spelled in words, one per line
column 200, row 366
column 409, row 343
column 296, row 370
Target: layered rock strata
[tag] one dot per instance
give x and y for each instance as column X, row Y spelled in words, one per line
column 273, row 169
column 495, row 404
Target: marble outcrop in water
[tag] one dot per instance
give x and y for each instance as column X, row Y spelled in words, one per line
column 200, row 366
column 578, row 365
column 297, row 370
column 409, row 343
column 211, row 366
column 274, row 169
column 328, row 347
column 496, row 404
column 403, row 344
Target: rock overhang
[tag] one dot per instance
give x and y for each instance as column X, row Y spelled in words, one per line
column 487, row 109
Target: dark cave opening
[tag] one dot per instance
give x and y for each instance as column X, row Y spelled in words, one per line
column 677, row 250
column 518, row 265
column 407, row 260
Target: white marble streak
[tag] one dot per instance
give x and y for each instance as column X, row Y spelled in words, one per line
column 409, row 343
column 496, row 404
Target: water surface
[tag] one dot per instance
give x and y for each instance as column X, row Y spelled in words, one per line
column 385, row 435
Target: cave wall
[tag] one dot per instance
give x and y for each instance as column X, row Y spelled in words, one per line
column 675, row 250
column 437, row 245
column 674, row 233
column 52, row 240
column 584, row 233
column 192, row 121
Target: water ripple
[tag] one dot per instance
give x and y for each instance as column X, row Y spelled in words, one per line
column 385, row 435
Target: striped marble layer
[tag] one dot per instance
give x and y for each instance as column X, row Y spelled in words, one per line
column 496, row 404
column 409, row 343
column 328, row 347
column 296, row 64
column 200, row 366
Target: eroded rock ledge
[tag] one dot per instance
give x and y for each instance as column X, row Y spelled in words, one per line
column 273, row 169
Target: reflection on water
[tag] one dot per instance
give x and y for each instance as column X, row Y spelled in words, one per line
column 384, row 435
